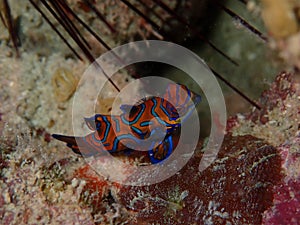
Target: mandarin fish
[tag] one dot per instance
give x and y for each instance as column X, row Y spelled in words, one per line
column 154, row 117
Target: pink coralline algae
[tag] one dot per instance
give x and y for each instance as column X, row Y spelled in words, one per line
column 286, row 205
column 236, row 189
column 278, row 123
column 286, row 209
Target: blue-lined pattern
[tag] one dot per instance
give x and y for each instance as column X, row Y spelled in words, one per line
column 136, row 124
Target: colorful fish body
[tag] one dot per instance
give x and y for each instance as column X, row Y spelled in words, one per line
column 164, row 149
column 155, row 117
column 129, row 130
column 150, row 117
column 183, row 99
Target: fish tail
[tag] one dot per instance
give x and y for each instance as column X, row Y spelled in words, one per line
column 77, row 144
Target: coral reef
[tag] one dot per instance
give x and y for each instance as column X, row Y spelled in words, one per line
column 251, row 182
column 235, row 189
column 287, row 194
column 278, row 120
column 279, row 124
column 254, row 180
column 32, row 193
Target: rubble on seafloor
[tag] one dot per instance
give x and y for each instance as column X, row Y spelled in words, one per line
column 254, row 180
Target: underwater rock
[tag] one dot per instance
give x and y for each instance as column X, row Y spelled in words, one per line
column 250, row 182
column 287, row 193
column 279, row 122
column 100, row 196
column 235, row 189
column 32, row 192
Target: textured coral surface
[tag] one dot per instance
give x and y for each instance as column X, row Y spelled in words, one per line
column 251, row 182
column 32, row 192
column 235, row 189
column 255, row 179
column 279, row 123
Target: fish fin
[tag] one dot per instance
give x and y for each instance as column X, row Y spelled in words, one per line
column 163, row 150
column 94, row 122
column 142, row 100
column 79, row 145
column 126, row 108
column 67, row 139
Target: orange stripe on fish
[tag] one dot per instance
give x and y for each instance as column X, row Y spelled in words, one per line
column 137, row 123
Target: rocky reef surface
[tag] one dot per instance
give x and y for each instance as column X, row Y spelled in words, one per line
column 254, row 180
